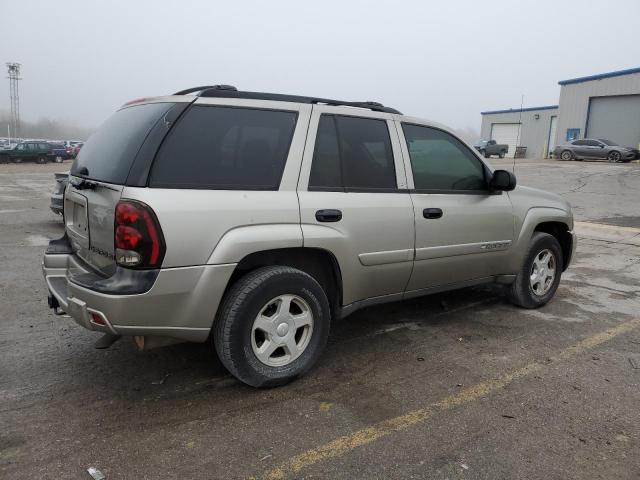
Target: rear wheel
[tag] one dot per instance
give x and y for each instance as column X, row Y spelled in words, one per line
column 58, row 159
column 539, row 276
column 272, row 326
column 41, row 159
column 614, row 156
column 566, row 155
column 501, row 155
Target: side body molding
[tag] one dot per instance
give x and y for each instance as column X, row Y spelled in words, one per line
column 239, row 242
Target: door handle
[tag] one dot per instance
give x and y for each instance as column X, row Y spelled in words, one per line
column 328, row 215
column 432, row 213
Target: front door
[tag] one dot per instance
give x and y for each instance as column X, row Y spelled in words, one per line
column 354, row 200
column 463, row 231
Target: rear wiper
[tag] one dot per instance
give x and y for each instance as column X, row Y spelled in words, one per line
column 83, row 184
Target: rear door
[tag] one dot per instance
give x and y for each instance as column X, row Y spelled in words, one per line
column 463, row 231
column 97, row 178
column 354, row 202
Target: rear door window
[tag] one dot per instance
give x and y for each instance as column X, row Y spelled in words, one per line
column 110, row 151
column 225, row 148
column 352, row 153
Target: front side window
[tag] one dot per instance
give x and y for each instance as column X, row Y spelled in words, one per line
column 31, row 146
column 20, row 147
column 225, row 148
column 352, row 153
column 442, row 162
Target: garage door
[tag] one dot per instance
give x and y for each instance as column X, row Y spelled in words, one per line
column 615, row 118
column 553, row 127
column 507, row 133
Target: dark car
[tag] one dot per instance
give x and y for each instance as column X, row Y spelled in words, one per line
column 40, row 152
column 594, row 148
column 490, row 147
column 60, row 152
column 57, row 197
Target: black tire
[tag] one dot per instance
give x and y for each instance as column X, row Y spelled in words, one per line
column 486, row 155
column 521, row 292
column 41, row 160
column 17, row 160
column 58, row 159
column 501, row 155
column 232, row 331
column 614, row 156
column 566, row 155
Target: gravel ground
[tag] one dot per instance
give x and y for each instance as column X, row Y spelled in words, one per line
column 460, row 385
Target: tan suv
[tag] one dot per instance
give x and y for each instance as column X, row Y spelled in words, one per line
column 253, row 220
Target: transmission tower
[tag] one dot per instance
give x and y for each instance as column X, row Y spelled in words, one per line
column 14, row 77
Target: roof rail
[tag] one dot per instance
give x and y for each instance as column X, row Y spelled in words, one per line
column 228, row 91
column 206, row 87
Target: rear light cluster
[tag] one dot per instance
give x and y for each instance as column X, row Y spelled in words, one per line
column 138, row 237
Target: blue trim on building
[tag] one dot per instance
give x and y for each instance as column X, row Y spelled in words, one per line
column 518, row 110
column 600, row 76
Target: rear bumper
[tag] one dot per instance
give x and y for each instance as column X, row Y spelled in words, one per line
column 57, row 203
column 181, row 303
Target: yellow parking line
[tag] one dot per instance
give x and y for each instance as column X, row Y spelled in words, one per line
column 345, row 444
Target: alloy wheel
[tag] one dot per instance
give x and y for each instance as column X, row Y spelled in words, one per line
column 543, row 272
column 282, row 330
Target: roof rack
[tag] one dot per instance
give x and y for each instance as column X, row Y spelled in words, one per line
column 229, row 91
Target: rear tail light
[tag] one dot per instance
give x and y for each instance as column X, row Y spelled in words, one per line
column 138, row 238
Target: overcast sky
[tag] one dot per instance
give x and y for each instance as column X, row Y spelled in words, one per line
column 442, row 60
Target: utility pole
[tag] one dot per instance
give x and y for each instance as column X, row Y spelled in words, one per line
column 14, row 77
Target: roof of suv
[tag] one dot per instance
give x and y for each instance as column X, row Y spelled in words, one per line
column 229, row 91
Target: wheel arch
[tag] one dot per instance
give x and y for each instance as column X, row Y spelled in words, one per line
column 560, row 231
column 319, row 263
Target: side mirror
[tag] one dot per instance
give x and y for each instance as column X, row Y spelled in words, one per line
column 502, row 180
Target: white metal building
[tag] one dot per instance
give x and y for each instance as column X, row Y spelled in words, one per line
column 599, row 106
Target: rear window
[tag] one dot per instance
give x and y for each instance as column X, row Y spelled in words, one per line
column 109, row 152
column 225, row 148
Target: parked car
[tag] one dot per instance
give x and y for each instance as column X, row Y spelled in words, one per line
column 60, row 152
column 591, row 148
column 57, row 197
column 490, row 147
column 75, row 150
column 40, row 152
column 254, row 220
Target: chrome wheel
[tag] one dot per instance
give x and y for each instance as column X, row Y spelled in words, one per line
column 543, row 272
column 282, row 330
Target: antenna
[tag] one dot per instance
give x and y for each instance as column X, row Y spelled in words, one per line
column 519, row 131
column 13, row 69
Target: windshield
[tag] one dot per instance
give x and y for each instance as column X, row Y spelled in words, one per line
column 608, row 142
column 109, row 152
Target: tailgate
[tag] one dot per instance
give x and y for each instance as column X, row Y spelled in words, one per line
column 89, row 222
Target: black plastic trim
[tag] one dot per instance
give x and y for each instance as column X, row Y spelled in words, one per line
column 455, row 192
column 59, row 246
column 124, row 281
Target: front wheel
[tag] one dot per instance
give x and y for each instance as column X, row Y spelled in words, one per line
column 272, row 326
column 17, row 160
column 539, row 276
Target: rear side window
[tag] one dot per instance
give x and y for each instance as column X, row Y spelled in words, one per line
column 352, row 153
column 225, row 148
column 439, row 161
column 109, row 152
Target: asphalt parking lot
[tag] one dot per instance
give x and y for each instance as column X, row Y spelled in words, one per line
column 460, row 385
